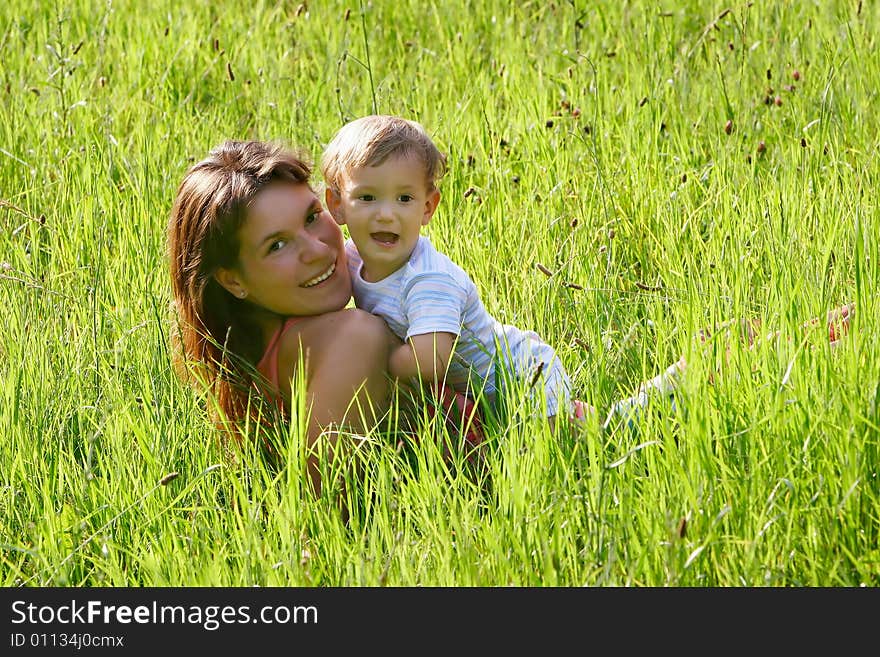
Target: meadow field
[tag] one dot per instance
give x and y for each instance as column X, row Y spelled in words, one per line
column 622, row 174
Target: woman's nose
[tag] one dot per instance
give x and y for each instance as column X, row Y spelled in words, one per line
column 313, row 248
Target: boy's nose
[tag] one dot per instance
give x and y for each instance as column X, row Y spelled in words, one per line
column 385, row 211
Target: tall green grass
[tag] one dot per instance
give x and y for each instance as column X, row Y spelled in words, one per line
column 588, row 138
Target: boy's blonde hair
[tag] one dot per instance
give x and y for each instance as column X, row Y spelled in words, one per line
column 370, row 140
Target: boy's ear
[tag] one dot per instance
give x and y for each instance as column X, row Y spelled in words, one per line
column 431, row 204
column 229, row 280
column 334, row 204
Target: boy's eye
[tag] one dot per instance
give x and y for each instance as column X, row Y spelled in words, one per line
column 276, row 245
column 405, row 198
column 367, row 197
column 313, row 217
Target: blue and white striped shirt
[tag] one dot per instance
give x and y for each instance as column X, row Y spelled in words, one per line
column 432, row 294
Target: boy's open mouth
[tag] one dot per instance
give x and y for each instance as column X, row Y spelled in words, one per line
column 388, row 239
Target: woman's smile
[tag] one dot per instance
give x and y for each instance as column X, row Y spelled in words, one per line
column 320, row 278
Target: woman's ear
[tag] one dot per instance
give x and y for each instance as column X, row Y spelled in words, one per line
column 230, row 281
column 333, row 201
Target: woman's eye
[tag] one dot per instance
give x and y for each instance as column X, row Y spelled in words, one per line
column 276, row 245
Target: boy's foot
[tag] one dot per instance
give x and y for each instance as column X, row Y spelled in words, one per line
column 581, row 411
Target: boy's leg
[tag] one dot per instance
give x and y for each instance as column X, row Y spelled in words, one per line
column 462, row 418
column 837, row 323
column 664, row 383
column 558, row 395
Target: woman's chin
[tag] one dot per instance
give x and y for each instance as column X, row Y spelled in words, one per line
column 332, row 299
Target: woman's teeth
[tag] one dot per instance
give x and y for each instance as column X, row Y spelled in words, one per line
column 323, row 277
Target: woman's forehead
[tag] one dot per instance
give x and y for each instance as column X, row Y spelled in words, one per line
column 281, row 201
column 280, row 206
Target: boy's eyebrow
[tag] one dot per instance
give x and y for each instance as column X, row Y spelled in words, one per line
column 362, row 186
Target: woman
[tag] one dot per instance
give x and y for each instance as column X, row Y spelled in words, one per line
column 260, row 285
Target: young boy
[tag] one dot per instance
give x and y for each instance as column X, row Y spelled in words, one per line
column 381, row 175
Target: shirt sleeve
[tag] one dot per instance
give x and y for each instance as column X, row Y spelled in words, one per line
column 434, row 302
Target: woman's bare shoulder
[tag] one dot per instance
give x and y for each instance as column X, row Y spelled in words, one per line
column 321, row 332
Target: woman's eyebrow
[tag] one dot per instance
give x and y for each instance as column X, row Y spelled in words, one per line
column 314, row 206
column 270, row 237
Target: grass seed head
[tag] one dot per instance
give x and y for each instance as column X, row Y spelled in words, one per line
column 537, row 375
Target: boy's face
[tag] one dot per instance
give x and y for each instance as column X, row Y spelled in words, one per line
column 384, row 207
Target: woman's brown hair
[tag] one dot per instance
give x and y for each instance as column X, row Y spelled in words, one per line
column 216, row 341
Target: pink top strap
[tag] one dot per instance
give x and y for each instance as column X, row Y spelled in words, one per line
column 268, row 365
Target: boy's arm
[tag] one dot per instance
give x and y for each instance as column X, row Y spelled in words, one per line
column 424, row 356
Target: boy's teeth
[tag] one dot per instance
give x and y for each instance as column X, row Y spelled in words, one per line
column 323, row 277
